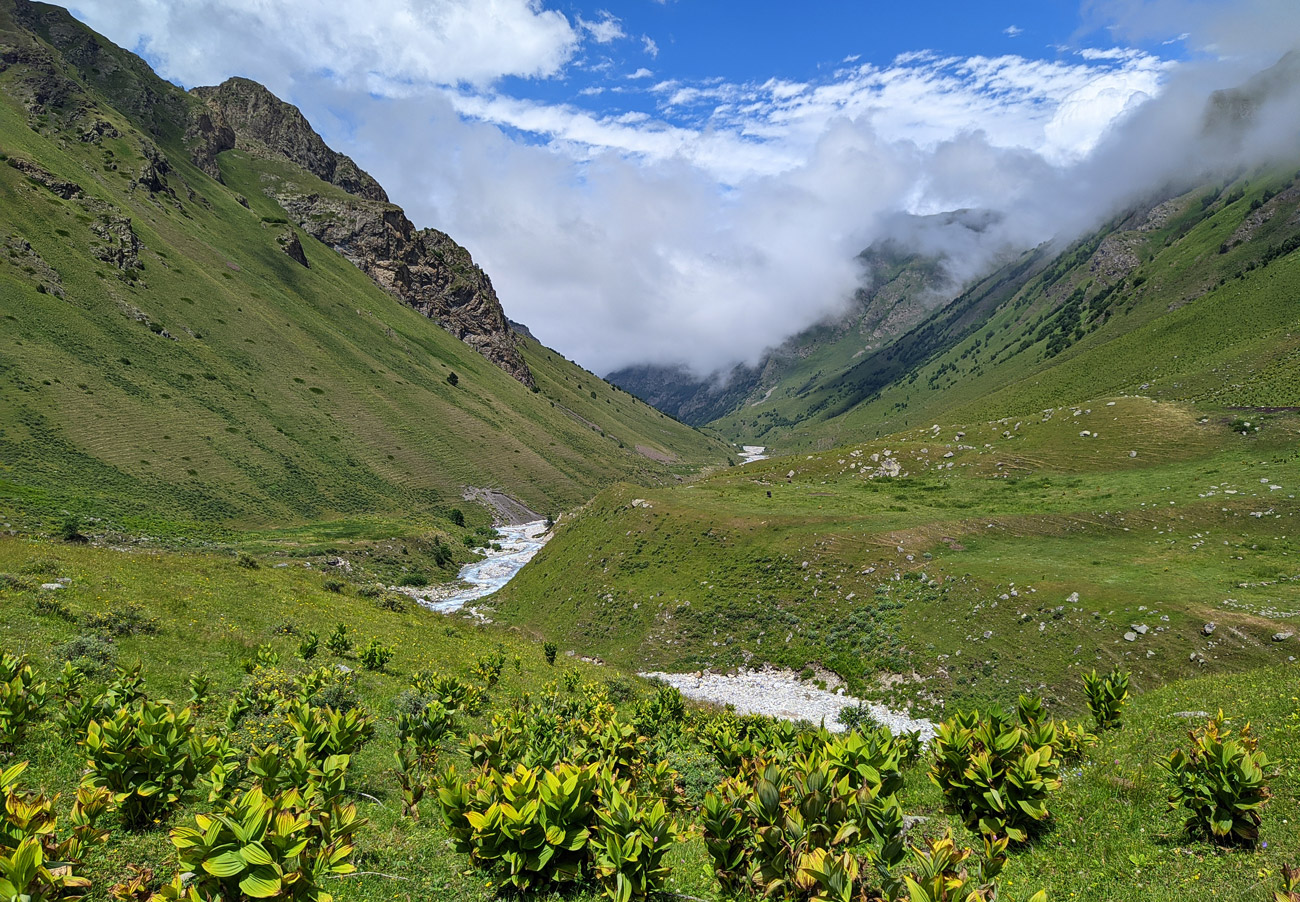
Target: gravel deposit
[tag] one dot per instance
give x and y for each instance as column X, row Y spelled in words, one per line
column 781, row 694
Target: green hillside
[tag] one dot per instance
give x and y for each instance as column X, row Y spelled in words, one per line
column 1110, row 836
column 167, row 366
column 1130, row 511
column 1190, row 299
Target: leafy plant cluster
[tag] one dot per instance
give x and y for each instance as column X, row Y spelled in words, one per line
column 562, row 791
column 21, row 698
column 823, row 820
column 35, row 865
column 1106, row 697
column 1220, row 782
column 998, row 772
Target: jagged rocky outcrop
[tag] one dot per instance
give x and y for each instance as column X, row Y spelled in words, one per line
column 423, row 268
column 207, row 136
column 259, row 118
column 292, row 247
column 39, row 174
column 117, row 242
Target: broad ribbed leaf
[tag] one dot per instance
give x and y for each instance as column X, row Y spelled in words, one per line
column 227, row 864
column 262, row 883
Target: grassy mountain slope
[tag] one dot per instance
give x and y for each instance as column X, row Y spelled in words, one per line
column 164, row 363
column 1113, row 839
column 1160, row 515
column 1186, row 299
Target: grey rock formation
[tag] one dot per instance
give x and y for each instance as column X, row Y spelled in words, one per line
column 423, row 268
column 259, row 117
column 118, row 243
column 292, row 246
column 43, row 176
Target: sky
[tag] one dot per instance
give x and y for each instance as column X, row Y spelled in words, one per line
column 689, row 182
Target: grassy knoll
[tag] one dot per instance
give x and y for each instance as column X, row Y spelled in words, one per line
column 1110, row 837
column 960, row 575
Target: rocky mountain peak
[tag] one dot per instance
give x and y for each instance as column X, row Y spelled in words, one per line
column 258, row 117
column 423, row 268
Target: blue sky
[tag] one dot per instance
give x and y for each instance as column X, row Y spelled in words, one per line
column 689, row 181
column 636, row 46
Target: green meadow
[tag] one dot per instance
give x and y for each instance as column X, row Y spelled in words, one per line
column 1007, row 556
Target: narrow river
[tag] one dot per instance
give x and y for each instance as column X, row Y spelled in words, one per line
column 519, row 544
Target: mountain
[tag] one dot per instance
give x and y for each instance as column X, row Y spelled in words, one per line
column 1008, row 492
column 1049, row 325
column 210, row 319
column 1183, row 296
column 902, row 285
column 423, row 268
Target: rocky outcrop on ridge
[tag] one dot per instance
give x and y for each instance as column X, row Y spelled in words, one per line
column 423, row 268
column 262, row 120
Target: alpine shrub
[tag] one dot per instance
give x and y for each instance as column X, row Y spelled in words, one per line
column 425, row 729
column 943, row 873
column 995, row 773
column 1220, row 782
column 375, row 656
column 308, row 646
column 326, row 731
column 531, row 825
column 147, row 756
column 630, row 842
column 1106, row 697
column 488, row 668
column 35, row 865
column 338, row 642
column 264, row 846
column 816, row 822
column 21, row 698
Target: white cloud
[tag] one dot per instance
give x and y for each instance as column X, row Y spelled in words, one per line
column 649, row 46
column 606, row 29
column 1245, row 28
column 1013, row 31
column 642, row 73
column 380, row 45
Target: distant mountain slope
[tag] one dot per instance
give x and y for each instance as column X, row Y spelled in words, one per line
column 1191, row 297
column 176, row 349
column 902, row 287
column 1187, row 294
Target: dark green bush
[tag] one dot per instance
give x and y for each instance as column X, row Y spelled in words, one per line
column 124, row 620
column 1220, row 781
column 89, row 653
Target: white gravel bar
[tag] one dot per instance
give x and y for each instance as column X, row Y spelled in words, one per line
column 781, row 694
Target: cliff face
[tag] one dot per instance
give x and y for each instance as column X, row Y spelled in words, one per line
column 423, row 268
column 260, row 118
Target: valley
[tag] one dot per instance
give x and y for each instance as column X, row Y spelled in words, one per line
column 322, row 578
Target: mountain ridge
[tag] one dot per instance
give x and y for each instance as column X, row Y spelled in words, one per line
column 170, row 365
